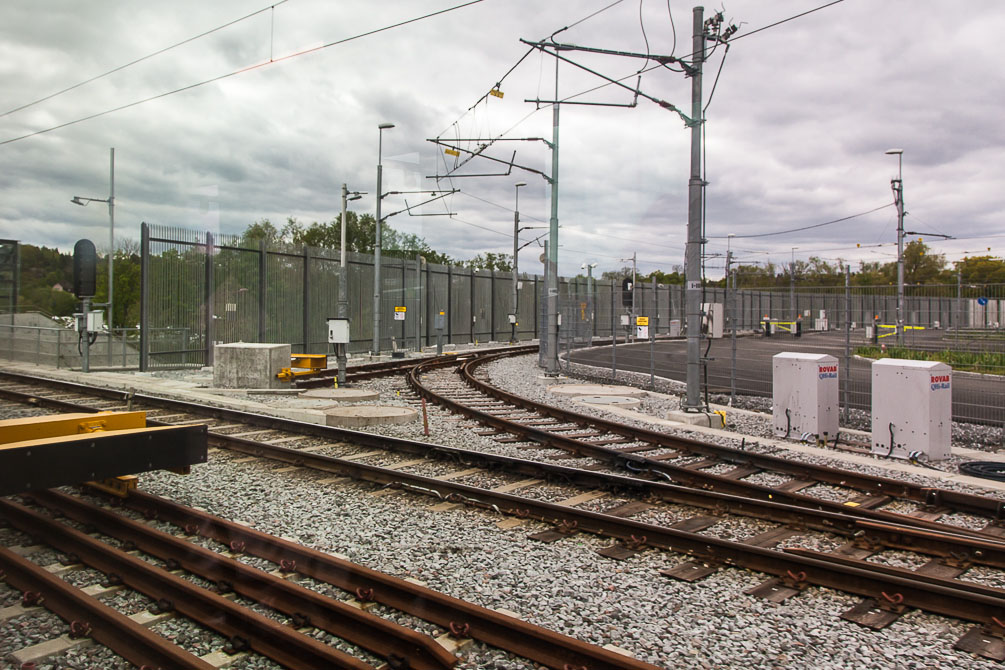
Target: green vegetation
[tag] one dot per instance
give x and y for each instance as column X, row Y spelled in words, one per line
column 987, row 362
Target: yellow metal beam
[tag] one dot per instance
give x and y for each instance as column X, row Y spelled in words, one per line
column 83, row 437
column 309, row 361
column 58, row 425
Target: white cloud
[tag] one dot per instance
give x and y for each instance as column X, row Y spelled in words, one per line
column 796, row 131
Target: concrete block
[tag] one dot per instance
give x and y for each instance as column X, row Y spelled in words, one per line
column 250, row 365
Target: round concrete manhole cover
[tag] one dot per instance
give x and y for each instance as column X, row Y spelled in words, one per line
column 596, row 390
column 610, row 400
column 368, row 415
column 341, row 394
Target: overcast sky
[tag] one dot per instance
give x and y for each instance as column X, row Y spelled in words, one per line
column 796, row 131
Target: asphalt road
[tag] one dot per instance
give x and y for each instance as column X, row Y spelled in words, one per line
column 976, row 398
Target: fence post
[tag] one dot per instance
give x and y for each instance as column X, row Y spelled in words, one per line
column 263, row 266
column 614, row 338
column 847, row 340
column 307, row 300
column 144, row 300
column 209, row 296
column 450, row 303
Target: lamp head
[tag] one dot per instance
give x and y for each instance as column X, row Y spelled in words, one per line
column 520, row 183
column 77, row 201
column 385, row 126
column 895, row 152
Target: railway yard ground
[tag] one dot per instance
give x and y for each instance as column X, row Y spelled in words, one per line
column 564, row 580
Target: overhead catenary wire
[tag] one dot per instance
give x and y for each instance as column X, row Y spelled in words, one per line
column 143, row 58
column 243, row 70
column 815, row 225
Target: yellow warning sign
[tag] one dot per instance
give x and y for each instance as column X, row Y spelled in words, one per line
column 642, row 321
column 452, row 152
column 496, row 92
column 400, row 309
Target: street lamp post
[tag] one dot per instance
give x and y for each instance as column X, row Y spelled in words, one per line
column 516, row 253
column 897, row 185
column 77, row 200
column 343, row 279
column 375, row 349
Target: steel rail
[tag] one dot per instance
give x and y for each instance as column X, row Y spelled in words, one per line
column 988, row 507
column 879, row 485
column 261, row 634
column 705, row 548
column 836, row 517
column 378, row 635
column 688, row 477
column 133, row 642
column 494, row 628
column 933, row 595
column 323, row 378
column 878, row 529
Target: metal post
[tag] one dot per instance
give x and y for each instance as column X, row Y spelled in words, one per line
column 375, row 347
column 342, row 310
column 614, row 335
column 847, row 341
column 694, row 217
column 263, row 266
column 551, row 365
column 111, row 233
column 86, row 351
column 959, row 303
column 306, row 312
column 516, row 261
column 209, row 298
column 144, row 298
column 897, row 186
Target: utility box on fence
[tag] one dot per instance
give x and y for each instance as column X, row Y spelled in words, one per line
column 712, row 319
column 674, row 327
column 912, row 408
column 804, row 393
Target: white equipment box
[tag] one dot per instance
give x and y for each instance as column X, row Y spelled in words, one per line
column 712, row 320
column 675, row 328
column 338, row 330
column 912, row 403
column 804, row 393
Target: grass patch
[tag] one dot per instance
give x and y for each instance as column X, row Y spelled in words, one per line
column 986, row 362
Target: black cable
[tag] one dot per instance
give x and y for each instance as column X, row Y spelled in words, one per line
column 778, row 23
column 673, row 28
column 984, row 470
column 815, row 225
column 143, row 58
column 644, row 36
column 716, row 82
column 243, row 70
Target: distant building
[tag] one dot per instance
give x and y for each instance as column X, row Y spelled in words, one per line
column 58, row 287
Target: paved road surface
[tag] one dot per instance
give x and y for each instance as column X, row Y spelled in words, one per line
column 979, row 398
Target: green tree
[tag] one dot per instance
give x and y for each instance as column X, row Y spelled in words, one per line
column 491, row 261
column 979, row 270
column 921, row 266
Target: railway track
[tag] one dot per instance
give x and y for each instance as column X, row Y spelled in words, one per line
column 946, row 552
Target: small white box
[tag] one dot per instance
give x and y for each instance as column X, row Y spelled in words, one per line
column 95, row 321
column 804, row 393
column 712, row 320
column 912, row 405
column 338, row 330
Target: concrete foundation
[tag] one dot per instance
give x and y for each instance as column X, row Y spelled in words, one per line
column 573, row 390
column 250, row 365
column 709, row 419
column 342, row 394
column 609, row 400
column 368, row 415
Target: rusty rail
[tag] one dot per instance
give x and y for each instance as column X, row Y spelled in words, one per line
column 244, row 627
column 494, row 628
column 125, row 637
column 380, row 636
